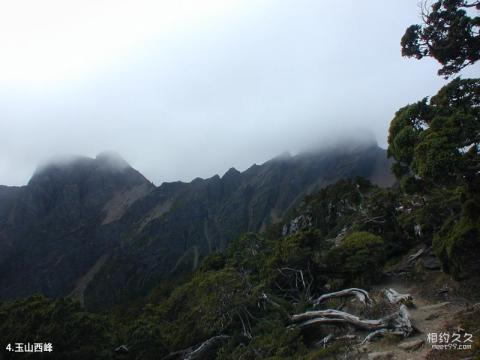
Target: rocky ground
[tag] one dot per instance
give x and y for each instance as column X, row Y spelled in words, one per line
column 440, row 305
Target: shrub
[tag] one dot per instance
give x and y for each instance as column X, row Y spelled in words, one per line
column 73, row 332
column 458, row 247
column 358, row 258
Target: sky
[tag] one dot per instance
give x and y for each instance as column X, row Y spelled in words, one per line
column 187, row 88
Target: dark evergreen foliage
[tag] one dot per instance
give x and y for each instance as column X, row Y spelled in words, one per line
column 450, row 33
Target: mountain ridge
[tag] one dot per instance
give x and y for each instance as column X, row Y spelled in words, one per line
column 99, row 230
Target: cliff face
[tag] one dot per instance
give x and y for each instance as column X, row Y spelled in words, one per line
column 98, row 229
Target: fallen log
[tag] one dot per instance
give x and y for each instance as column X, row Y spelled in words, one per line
column 360, row 294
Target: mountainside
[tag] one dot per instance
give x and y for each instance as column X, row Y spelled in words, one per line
column 49, row 229
column 97, row 229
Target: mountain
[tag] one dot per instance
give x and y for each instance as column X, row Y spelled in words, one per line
column 98, row 230
column 49, row 229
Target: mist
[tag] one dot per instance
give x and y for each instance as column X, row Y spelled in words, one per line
column 185, row 91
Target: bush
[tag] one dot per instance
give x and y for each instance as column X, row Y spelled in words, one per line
column 212, row 262
column 358, row 258
column 272, row 340
column 73, row 332
column 458, row 247
column 209, row 304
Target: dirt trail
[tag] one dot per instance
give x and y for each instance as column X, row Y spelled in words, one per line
column 429, row 315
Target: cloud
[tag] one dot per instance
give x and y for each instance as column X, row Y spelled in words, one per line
column 182, row 90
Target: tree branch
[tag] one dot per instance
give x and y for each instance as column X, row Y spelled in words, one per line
column 198, row 352
column 360, row 294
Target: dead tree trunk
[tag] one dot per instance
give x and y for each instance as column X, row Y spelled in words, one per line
column 397, row 323
column 395, row 297
column 201, row 351
column 360, row 294
column 329, row 316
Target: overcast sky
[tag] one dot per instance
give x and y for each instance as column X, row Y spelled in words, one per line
column 190, row 88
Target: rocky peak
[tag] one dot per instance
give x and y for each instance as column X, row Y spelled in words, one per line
column 76, row 182
column 60, row 167
column 111, row 160
column 231, row 173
